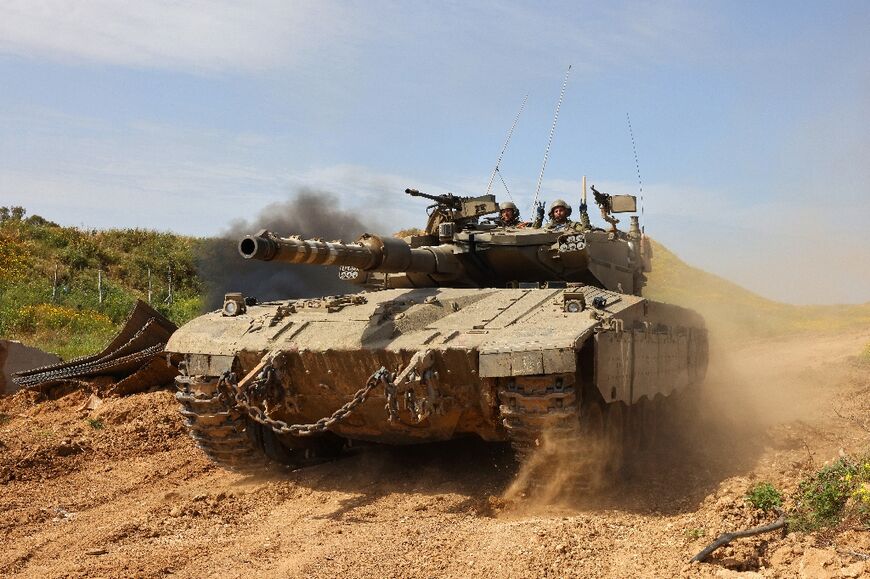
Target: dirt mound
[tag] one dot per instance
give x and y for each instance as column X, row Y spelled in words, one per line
column 120, row 490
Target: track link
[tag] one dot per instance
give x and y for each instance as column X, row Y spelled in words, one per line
column 219, row 431
column 539, row 410
column 234, row 441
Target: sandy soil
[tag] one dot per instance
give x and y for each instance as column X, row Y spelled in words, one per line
column 121, row 491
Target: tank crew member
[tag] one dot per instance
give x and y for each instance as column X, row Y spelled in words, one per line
column 559, row 213
column 509, row 215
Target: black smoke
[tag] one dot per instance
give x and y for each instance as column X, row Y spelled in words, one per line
column 309, row 214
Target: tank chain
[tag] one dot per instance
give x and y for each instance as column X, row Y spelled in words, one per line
column 234, row 396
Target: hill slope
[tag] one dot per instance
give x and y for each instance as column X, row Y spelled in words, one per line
column 733, row 311
column 70, row 316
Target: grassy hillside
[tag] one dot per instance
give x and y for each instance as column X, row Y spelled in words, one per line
column 74, row 322
column 733, row 311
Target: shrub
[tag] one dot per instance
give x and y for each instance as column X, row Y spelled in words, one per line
column 823, row 496
column 14, row 264
column 764, row 496
column 41, row 317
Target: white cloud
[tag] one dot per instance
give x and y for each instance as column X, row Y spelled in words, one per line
column 224, row 35
column 206, row 36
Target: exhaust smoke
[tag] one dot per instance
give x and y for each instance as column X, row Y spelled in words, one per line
column 309, row 213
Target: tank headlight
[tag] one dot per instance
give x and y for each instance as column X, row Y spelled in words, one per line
column 572, row 246
column 571, row 239
column 574, row 306
column 234, row 304
column 563, row 247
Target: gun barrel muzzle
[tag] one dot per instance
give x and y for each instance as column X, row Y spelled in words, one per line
column 257, row 247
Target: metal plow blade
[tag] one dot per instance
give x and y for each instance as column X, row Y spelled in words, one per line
column 130, row 359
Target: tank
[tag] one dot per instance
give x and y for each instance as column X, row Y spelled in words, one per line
column 510, row 333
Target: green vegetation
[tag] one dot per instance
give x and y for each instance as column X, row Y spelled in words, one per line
column 75, row 321
column 95, row 423
column 764, row 496
column 838, row 490
column 732, row 311
column 695, row 533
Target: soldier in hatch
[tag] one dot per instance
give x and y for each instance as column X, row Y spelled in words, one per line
column 559, row 213
column 509, row 215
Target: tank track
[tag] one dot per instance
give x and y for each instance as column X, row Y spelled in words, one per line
column 218, row 431
column 233, row 441
column 539, row 410
column 547, row 416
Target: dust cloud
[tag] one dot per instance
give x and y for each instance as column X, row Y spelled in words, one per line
column 309, row 213
column 565, row 471
column 759, row 393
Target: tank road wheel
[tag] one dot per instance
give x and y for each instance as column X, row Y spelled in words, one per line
column 592, row 422
column 650, row 422
column 236, row 442
column 637, row 413
column 295, row 450
column 614, row 436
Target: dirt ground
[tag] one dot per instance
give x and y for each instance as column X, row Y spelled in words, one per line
column 122, row 491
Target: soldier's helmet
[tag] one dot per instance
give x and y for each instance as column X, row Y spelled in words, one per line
column 559, row 203
column 508, row 205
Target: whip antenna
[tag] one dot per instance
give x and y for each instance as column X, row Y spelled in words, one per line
column 503, row 149
column 637, row 166
column 550, row 140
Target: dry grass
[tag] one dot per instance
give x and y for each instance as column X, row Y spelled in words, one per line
column 733, row 311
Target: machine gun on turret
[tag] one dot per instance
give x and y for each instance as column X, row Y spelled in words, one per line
column 614, row 204
column 450, row 208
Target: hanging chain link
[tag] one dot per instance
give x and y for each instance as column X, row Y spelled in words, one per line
column 232, row 395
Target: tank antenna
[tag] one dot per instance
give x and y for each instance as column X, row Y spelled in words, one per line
column 636, row 166
column 584, row 214
column 550, row 140
column 503, row 149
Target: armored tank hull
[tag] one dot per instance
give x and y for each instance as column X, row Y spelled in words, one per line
column 295, row 381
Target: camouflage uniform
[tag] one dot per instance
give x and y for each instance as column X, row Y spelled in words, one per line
column 514, row 220
column 566, row 224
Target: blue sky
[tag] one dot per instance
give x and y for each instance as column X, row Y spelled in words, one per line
column 751, row 118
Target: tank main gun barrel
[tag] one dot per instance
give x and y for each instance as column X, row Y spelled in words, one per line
column 369, row 253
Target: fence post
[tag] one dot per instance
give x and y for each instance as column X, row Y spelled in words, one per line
column 169, row 293
column 54, row 285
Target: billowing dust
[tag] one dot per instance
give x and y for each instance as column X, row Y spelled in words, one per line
column 564, row 471
column 753, row 396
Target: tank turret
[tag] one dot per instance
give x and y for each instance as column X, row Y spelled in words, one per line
column 460, row 251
